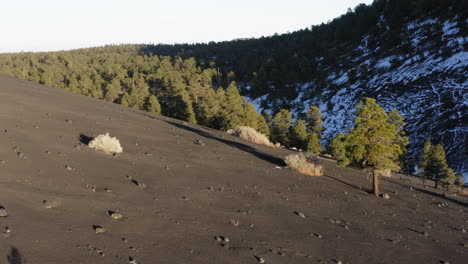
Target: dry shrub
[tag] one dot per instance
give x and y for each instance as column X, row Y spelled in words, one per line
column 304, row 164
column 250, row 134
column 109, row 145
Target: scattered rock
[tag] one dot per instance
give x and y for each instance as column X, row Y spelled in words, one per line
column 3, row 212
column 199, row 142
column 69, row 121
column 234, row 222
column 49, row 204
column 68, row 168
column 115, row 215
column 260, row 259
column 99, row 229
column 21, row 155
column 131, row 260
column 300, row 214
column 316, row 234
column 385, row 196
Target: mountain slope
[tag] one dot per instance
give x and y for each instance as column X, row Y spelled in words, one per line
column 193, row 193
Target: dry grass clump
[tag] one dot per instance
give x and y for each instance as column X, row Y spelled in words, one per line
column 250, row 134
column 109, row 145
column 304, row 164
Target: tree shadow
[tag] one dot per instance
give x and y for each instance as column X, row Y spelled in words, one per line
column 443, row 196
column 85, row 139
column 15, row 256
column 240, row 146
column 350, row 184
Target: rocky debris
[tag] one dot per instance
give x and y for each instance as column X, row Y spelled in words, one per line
column 115, row 215
column 3, row 212
column 131, row 260
column 69, row 121
column 316, row 234
column 300, row 214
column 234, row 222
column 99, row 229
column 260, row 259
column 137, row 183
column 199, row 142
column 68, row 168
column 385, row 196
column 50, row 204
column 21, row 155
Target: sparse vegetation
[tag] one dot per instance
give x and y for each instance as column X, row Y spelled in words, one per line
column 304, row 164
column 107, row 144
column 250, row 134
column 375, row 143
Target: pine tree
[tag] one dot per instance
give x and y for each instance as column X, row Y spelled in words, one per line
column 152, row 105
column 299, row 135
column 373, row 142
column 459, row 180
column 439, row 168
column 314, row 120
column 426, row 157
column 112, row 90
column 282, row 121
column 434, row 165
column 232, row 108
column 313, row 144
column 337, row 148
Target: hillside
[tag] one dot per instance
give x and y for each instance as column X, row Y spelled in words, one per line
column 180, row 187
column 409, row 55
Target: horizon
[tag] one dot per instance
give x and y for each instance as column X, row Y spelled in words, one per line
column 89, row 24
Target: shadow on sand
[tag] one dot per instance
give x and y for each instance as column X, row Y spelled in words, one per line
column 15, row 257
column 85, row 139
column 430, row 193
column 240, row 146
column 349, row 184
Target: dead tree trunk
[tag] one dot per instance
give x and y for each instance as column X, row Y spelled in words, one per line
column 376, row 183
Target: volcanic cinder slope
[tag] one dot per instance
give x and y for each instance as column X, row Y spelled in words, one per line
column 189, row 194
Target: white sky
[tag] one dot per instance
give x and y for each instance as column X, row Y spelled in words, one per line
column 45, row 25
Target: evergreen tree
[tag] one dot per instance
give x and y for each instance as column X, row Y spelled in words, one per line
column 439, row 168
column 282, row 121
column 299, row 136
column 232, row 108
column 373, row 142
column 152, row 105
column 313, row 144
column 112, row 91
column 434, row 165
column 314, row 120
column 337, row 148
column 459, row 180
column 426, row 159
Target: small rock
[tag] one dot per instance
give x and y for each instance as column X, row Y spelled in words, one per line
column 99, row 229
column 425, row 233
column 115, row 215
column 68, row 168
column 131, row 260
column 3, row 212
column 463, row 230
column 199, row 142
column 300, row 214
column 22, row 155
column 69, row 121
column 260, row 259
column 385, row 196
column 49, row 204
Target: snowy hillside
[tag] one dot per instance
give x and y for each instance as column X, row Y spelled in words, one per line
column 428, row 84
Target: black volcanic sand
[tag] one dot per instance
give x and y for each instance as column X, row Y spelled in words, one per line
column 221, row 200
